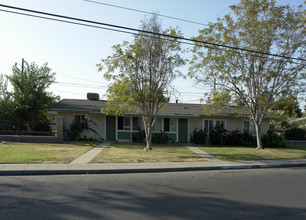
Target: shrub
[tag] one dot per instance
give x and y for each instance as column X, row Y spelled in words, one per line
column 295, row 134
column 139, row 136
column 248, row 139
column 160, row 138
column 198, row 136
column 76, row 129
column 233, row 138
column 217, row 135
column 272, row 139
column 221, row 136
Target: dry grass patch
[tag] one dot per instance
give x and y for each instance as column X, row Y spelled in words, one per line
column 13, row 152
column 134, row 153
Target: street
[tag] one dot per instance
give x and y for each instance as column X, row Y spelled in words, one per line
column 232, row 194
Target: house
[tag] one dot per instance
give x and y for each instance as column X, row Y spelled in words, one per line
column 176, row 119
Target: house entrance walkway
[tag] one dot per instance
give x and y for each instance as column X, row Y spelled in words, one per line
column 201, row 153
column 91, row 154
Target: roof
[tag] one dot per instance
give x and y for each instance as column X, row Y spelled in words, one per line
column 170, row 109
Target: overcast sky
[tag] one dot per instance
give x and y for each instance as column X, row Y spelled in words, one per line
column 73, row 51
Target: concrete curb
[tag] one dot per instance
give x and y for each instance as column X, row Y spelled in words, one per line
column 144, row 170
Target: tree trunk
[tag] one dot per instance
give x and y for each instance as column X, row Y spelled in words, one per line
column 148, row 131
column 258, row 136
column 149, row 142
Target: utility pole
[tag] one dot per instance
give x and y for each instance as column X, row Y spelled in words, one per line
column 22, row 66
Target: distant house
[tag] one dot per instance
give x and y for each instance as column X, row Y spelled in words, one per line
column 176, row 119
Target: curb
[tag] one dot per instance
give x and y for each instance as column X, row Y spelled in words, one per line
column 142, row 170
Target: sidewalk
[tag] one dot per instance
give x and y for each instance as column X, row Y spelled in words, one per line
column 81, row 165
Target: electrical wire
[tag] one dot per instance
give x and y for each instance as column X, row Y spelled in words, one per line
column 159, row 15
column 145, row 12
column 204, row 43
column 72, row 77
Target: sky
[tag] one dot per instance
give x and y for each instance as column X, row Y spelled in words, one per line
column 73, row 51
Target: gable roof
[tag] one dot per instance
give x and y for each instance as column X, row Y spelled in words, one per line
column 169, row 110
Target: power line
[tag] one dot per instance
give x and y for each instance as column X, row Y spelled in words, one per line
column 146, row 12
column 204, row 43
column 81, row 85
column 159, row 15
column 103, row 87
column 126, row 32
column 72, row 77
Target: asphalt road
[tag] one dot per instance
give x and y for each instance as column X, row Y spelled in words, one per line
column 243, row 194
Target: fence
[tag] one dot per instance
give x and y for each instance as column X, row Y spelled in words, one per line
column 32, row 131
column 27, row 128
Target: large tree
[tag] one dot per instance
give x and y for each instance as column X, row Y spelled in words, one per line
column 256, row 78
column 31, row 100
column 6, row 101
column 141, row 73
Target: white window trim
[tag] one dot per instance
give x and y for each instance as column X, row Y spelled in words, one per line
column 86, row 116
column 170, row 132
column 214, row 123
column 123, row 125
column 252, row 129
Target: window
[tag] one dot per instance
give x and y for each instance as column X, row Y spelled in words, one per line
column 246, row 126
column 173, row 124
column 123, row 123
column 249, row 127
column 166, row 124
column 208, row 125
column 80, row 120
column 220, row 122
column 157, row 125
column 170, row 124
column 136, row 126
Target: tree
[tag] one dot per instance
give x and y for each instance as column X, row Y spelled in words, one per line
column 256, row 78
column 288, row 106
column 6, row 101
column 146, row 69
column 31, row 99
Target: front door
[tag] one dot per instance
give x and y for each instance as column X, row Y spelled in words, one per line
column 110, row 128
column 183, row 130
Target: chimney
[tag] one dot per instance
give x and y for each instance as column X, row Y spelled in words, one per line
column 92, row 96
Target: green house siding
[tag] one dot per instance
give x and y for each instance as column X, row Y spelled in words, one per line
column 183, row 130
column 110, row 128
column 124, row 135
column 171, row 137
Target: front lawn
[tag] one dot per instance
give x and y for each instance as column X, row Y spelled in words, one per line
column 13, row 152
column 250, row 153
column 134, row 153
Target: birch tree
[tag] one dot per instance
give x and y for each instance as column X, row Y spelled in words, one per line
column 141, row 72
column 256, row 78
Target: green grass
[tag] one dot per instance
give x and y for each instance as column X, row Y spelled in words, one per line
column 134, row 153
column 250, row 153
column 13, row 152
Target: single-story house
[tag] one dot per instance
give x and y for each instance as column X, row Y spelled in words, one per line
column 178, row 120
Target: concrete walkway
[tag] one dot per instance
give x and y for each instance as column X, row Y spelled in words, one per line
column 201, row 153
column 91, row 154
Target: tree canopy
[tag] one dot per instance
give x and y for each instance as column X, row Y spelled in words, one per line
column 257, row 79
column 141, row 73
column 29, row 100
